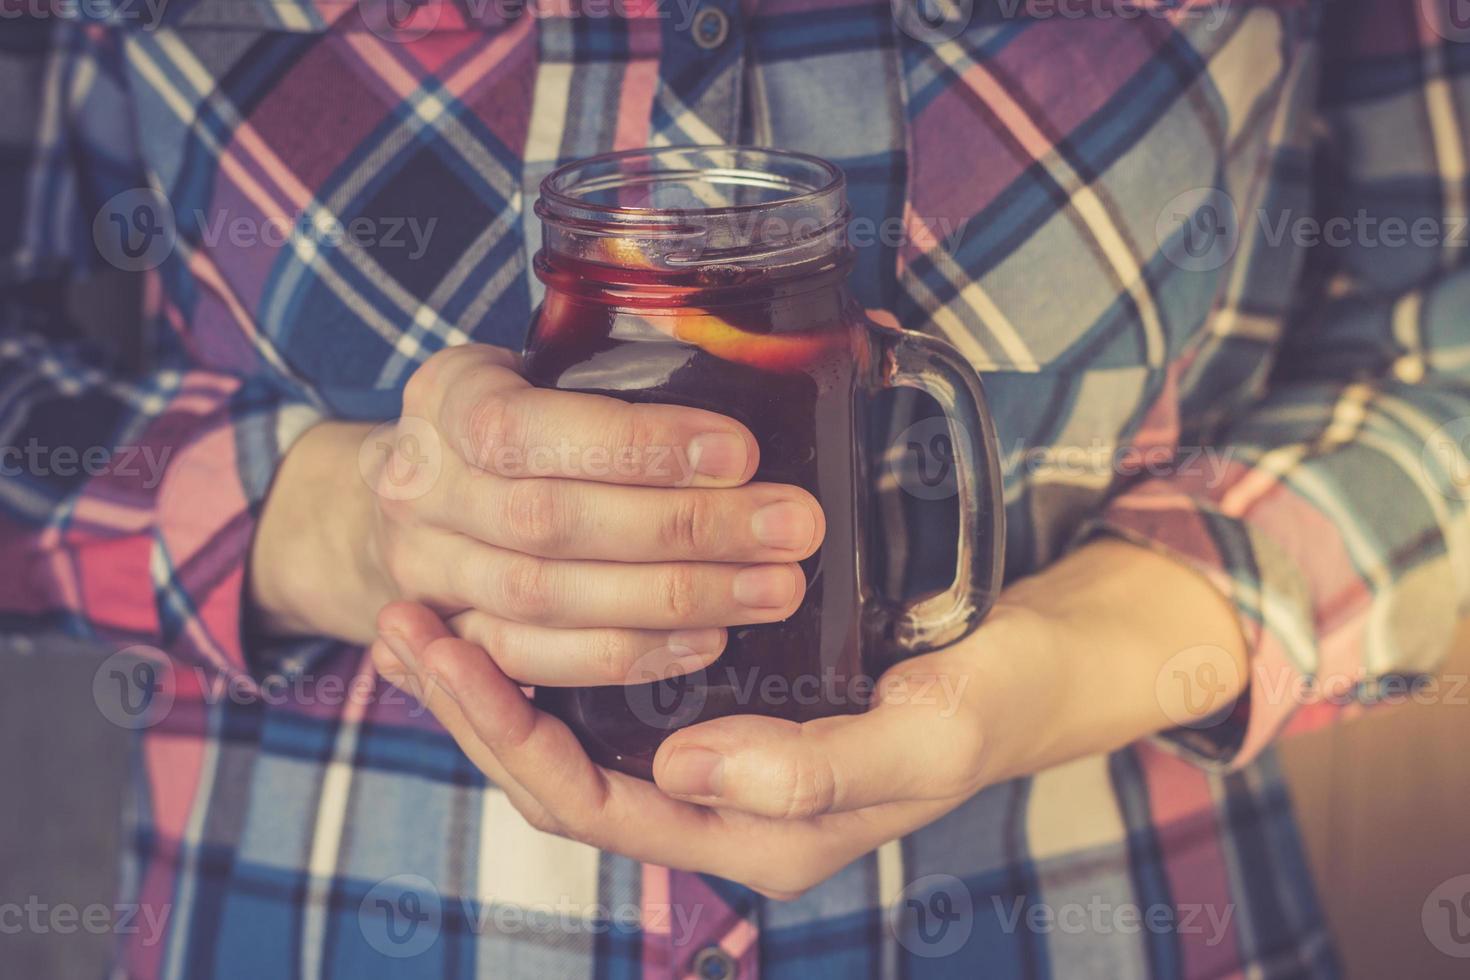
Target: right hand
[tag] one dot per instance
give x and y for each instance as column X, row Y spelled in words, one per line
column 571, row 535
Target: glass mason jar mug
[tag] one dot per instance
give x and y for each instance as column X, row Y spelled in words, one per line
column 714, row 277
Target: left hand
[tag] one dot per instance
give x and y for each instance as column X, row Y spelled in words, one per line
column 780, row 806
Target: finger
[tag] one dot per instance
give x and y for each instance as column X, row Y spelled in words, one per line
column 488, row 708
column 481, row 367
column 540, row 656
column 521, row 432
column 559, row 789
column 406, row 627
column 412, row 628
column 579, row 799
column 555, row 518
column 465, row 574
column 782, row 769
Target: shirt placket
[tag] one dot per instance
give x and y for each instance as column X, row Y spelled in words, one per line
column 695, row 926
column 701, row 72
column 698, row 927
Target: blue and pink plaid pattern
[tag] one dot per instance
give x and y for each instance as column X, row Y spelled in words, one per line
column 1102, row 211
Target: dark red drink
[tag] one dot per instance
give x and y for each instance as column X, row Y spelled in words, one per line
column 741, row 309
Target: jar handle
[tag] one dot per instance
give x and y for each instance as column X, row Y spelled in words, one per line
column 969, row 468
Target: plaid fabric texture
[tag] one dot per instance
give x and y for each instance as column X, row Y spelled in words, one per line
column 1109, row 214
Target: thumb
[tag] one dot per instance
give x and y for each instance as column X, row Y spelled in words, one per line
column 789, row 770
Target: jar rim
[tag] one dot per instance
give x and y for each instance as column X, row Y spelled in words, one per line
column 690, row 207
column 556, row 186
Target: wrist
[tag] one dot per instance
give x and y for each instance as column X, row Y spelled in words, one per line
column 1078, row 659
column 310, row 571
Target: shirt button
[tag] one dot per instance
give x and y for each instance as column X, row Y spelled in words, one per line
column 710, row 28
column 713, row 963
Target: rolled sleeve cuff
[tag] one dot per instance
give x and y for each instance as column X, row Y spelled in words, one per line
column 208, row 505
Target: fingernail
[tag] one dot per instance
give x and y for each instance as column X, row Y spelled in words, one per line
column 400, row 650
column 718, row 454
column 693, row 772
column 784, row 525
column 696, row 643
column 764, row 586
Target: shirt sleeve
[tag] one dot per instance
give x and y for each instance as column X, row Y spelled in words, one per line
column 128, row 496
column 1339, row 526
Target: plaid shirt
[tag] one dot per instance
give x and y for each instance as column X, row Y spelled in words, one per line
column 1109, row 211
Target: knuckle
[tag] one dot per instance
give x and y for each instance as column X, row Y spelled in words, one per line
column 788, row 880
column 679, row 592
column 689, row 527
column 420, row 386
column 804, row 788
column 632, row 432
column 541, row 819
column 491, row 634
column 527, row 588
column 494, row 636
column 396, row 507
column 536, row 516
column 779, row 894
column 440, row 368
column 399, row 564
column 965, row 771
column 607, row 656
column 497, row 420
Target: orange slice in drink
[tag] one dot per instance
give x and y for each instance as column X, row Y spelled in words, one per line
column 774, row 352
column 624, row 252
